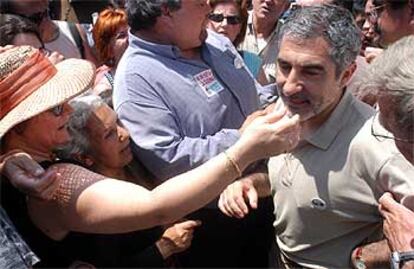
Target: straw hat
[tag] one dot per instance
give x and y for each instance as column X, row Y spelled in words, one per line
column 46, row 86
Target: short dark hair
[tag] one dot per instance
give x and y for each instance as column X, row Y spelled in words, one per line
column 143, row 14
column 344, row 3
column 12, row 25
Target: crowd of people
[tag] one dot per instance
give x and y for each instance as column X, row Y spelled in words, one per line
column 207, row 134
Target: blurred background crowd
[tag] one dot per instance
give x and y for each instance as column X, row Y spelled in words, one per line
column 124, row 124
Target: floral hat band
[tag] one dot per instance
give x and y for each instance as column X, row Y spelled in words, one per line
column 17, row 84
column 30, row 84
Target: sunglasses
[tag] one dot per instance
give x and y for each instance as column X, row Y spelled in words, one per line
column 218, row 17
column 57, row 110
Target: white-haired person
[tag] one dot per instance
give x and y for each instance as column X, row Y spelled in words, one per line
column 101, row 144
column 34, row 116
column 391, row 76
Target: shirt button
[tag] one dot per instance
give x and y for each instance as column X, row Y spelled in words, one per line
column 238, row 63
column 318, row 203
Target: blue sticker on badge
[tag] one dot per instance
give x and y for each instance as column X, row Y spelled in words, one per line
column 208, row 82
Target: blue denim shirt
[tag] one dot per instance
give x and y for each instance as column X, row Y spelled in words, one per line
column 182, row 112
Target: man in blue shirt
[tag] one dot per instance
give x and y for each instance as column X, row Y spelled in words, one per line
column 184, row 95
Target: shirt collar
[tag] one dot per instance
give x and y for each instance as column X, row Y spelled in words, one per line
column 326, row 133
column 137, row 43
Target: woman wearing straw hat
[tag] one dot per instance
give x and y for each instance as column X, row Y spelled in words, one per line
column 29, row 177
column 34, row 113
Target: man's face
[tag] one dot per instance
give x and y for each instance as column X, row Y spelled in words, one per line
column 392, row 24
column 33, row 8
column 189, row 24
column 269, row 9
column 28, row 8
column 370, row 35
column 306, row 78
column 388, row 119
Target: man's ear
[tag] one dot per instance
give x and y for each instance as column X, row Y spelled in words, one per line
column 84, row 159
column 165, row 11
column 347, row 74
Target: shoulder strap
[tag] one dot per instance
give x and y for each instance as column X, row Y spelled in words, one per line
column 76, row 36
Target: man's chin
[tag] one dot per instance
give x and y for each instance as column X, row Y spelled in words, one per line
column 303, row 115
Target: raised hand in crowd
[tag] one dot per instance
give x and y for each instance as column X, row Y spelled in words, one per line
column 177, row 238
column 240, row 196
column 398, row 227
column 243, row 194
column 250, row 118
column 398, row 223
column 28, row 176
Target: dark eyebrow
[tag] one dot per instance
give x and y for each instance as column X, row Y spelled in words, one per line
column 281, row 61
column 107, row 132
column 313, row 66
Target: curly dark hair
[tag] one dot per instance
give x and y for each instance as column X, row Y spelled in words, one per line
column 142, row 14
column 12, row 25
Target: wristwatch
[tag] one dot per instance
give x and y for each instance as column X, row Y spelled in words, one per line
column 398, row 258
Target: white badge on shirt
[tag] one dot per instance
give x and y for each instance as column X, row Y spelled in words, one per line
column 208, row 82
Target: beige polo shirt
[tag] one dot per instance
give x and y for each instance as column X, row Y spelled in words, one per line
column 325, row 192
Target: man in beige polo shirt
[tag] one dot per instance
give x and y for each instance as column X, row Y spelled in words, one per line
column 325, row 191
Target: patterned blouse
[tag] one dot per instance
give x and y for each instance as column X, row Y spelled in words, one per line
column 14, row 252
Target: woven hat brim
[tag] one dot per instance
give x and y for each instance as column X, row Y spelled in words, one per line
column 73, row 77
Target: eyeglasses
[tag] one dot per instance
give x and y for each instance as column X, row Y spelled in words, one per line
column 57, row 110
column 375, row 12
column 381, row 134
column 38, row 17
column 218, row 17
